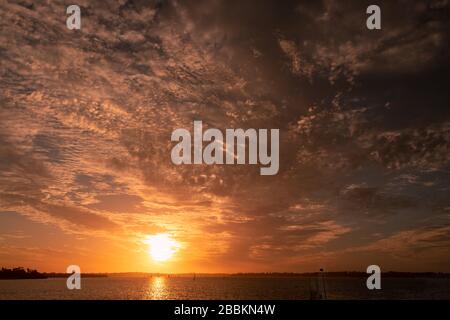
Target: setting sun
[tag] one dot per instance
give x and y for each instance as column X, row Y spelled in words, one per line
column 161, row 247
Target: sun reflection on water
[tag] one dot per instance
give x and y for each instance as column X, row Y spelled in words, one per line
column 157, row 288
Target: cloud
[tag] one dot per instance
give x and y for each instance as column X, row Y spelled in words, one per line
column 430, row 243
column 86, row 118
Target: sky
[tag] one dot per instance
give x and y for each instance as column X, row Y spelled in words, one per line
column 86, row 118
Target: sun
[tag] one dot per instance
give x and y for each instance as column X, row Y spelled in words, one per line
column 161, row 246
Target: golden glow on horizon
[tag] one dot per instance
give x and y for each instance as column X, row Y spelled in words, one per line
column 162, row 247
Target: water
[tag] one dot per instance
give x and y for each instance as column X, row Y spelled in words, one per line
column 221, row 288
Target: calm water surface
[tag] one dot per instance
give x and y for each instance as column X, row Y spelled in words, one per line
column 221, row 288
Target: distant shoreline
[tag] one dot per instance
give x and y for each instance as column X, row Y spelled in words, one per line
column 346, row 274
column 21, row 273
column 45, row 276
